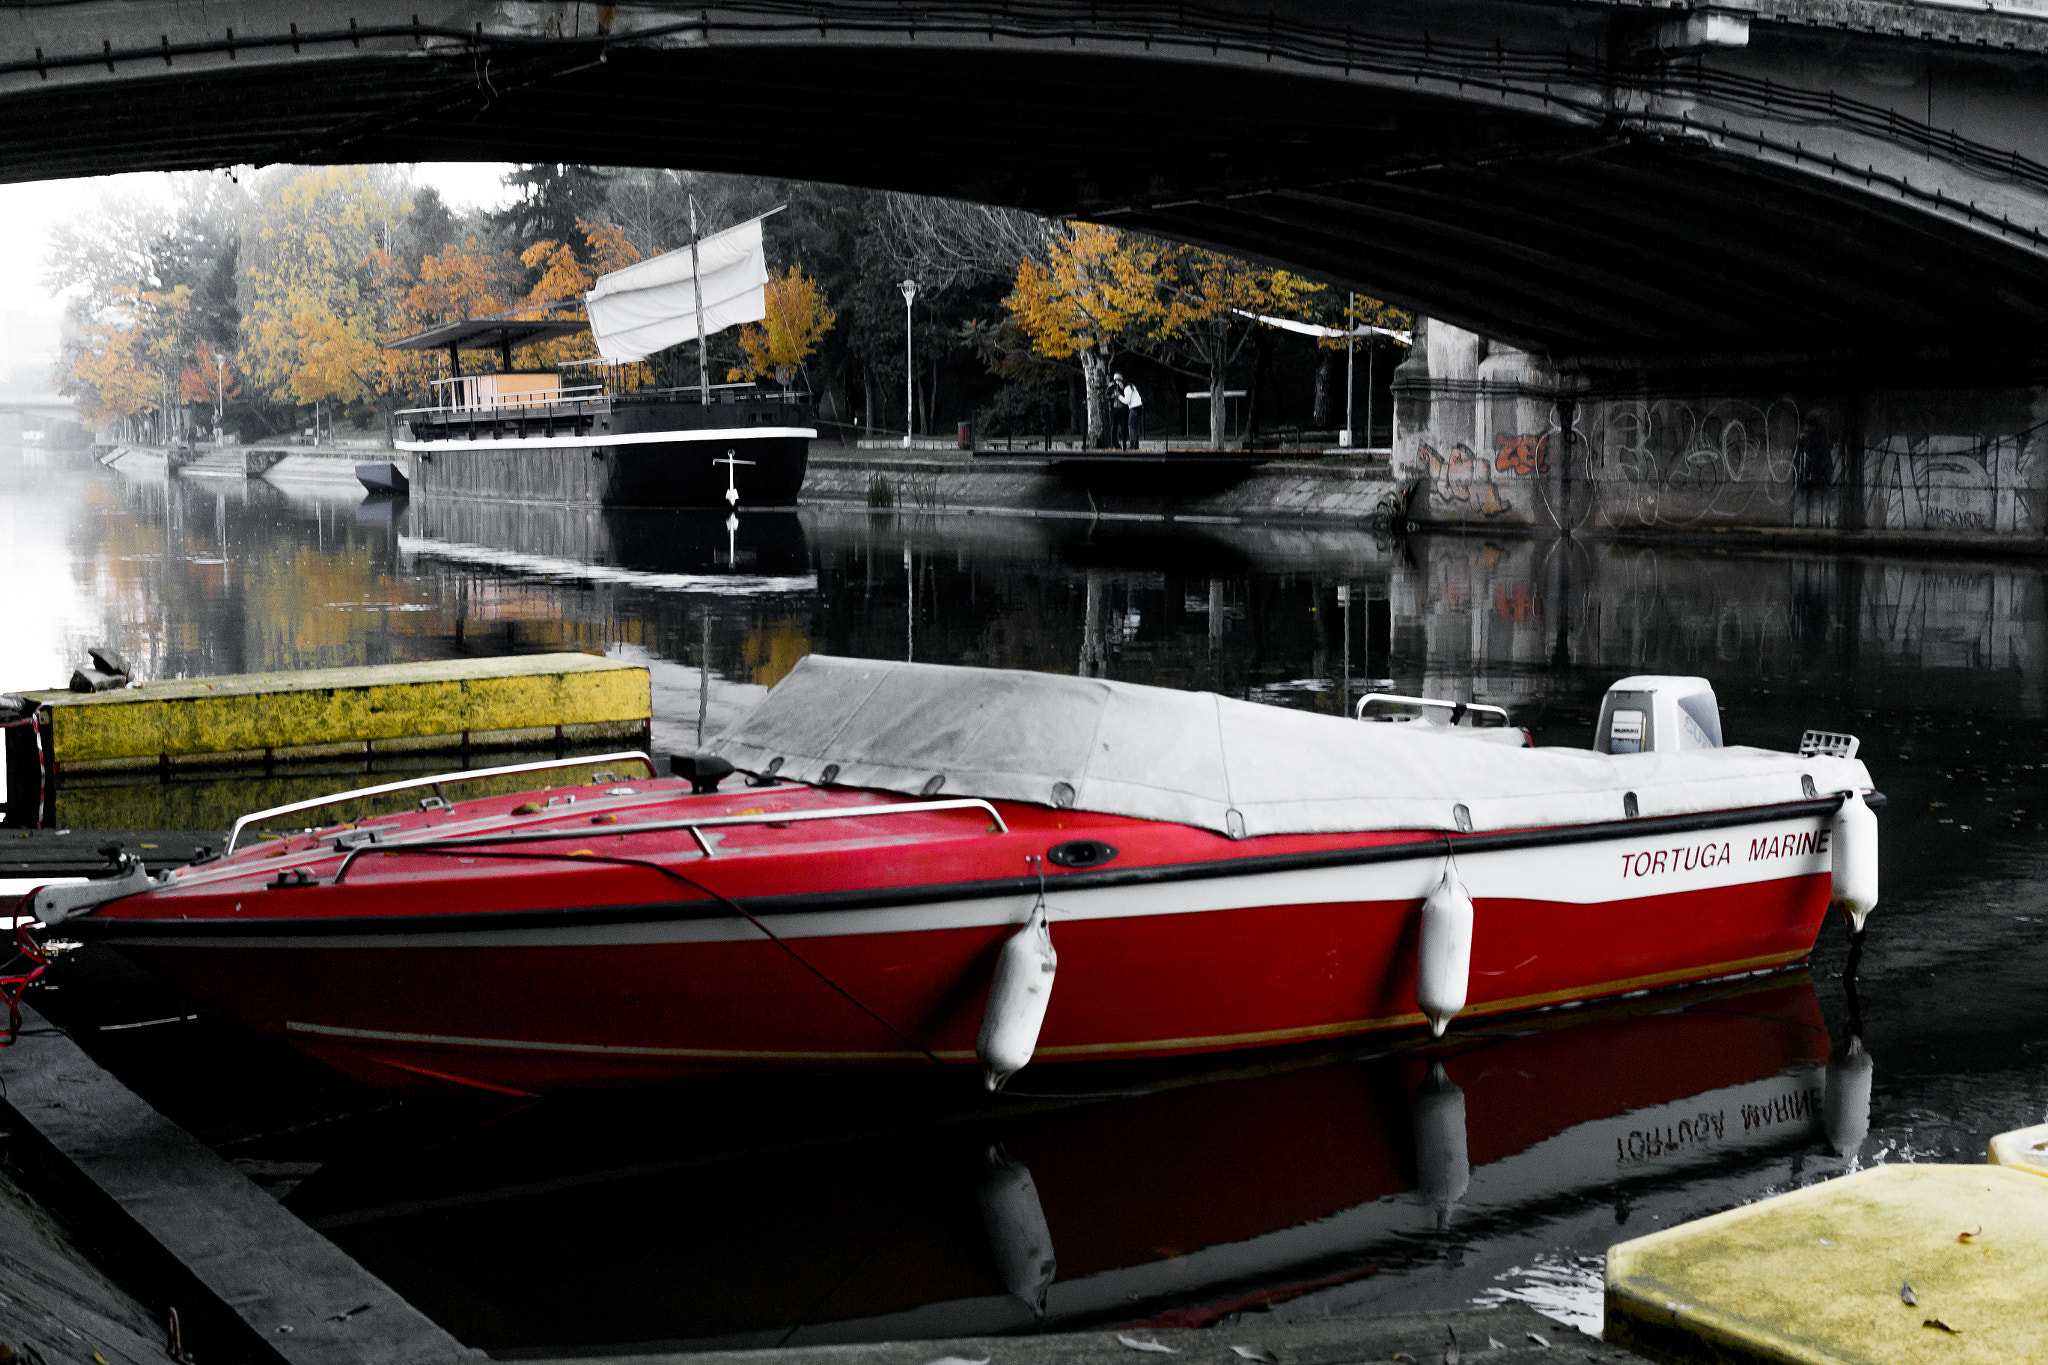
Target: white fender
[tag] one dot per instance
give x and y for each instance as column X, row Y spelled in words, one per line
column 1017, row 1232
column 1845, row 1097
column 1443, row 1170
column 1016, row 1001
column 1444, row 963
column 1855, row 860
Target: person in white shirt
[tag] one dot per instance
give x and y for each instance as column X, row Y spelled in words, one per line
column 1127, row 394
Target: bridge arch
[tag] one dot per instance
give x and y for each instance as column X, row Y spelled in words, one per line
column 1589, row 178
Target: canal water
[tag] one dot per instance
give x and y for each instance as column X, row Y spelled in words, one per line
column 1387, row 1176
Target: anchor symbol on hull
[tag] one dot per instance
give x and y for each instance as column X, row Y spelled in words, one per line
column 732, row 489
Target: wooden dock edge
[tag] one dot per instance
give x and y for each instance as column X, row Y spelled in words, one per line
column 202, row 1226
column 178, row 1207
column 1412, row 1337
column 531, row 698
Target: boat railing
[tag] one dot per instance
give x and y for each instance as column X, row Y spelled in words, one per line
column 459, row 395
column 451, row 399
column 1458, row 709
column 437, row 781
column 694, row 827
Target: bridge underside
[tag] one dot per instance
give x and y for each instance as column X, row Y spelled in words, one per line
column 1625, row 243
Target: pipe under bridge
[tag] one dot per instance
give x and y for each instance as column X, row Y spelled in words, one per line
column 1621, row 184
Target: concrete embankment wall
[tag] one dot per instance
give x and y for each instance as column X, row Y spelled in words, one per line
column 283, row 464
column 1151, row 492
column 1479, row 438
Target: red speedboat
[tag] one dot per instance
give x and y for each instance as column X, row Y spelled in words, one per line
column 891, row 863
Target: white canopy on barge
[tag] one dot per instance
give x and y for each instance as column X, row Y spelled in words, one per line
column 1236, row 767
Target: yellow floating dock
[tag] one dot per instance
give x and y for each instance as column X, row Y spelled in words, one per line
column 2024, row 1149
column 341, row 712
column 1897, row 1263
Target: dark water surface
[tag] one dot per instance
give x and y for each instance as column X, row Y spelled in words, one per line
column 1500, row 1163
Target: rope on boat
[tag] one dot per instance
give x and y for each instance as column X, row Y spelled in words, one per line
column 471, row 851
column 13, row 987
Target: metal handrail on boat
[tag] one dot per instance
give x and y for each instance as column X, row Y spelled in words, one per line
column 1458, row 709
column 436, row 781
column 448, row 397
column 695, row 826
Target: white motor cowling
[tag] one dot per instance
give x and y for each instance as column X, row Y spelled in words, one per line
column 1855, row 860
column 1443, row 966
column 1016, row 1001
column 1657, row 713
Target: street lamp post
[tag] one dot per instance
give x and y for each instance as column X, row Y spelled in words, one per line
column 219, row 394
column 1350, row 349
column 909, row 288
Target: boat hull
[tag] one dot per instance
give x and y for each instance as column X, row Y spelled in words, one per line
column 1241, row 951
column 677, row 473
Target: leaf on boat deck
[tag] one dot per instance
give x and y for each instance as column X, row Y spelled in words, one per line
column 1137, row 1345
column 1906, row 1294
column 1253, row 1353
column 1451, row 1352
column 1495, row 1344
column 1539, row 1340
column 1968, row 1237
column 1941, row 1326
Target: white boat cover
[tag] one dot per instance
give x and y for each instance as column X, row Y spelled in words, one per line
column 645, row 307
column 1196, row 758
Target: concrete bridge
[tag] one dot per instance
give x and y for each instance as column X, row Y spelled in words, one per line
column 43, row 405
column 1820, row 181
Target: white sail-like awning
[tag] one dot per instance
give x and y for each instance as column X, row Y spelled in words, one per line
column 1316, row 329
column 653, row 305
column 1217, row 763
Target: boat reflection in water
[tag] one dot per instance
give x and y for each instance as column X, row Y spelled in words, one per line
column 796, row 1213
column 663, row 550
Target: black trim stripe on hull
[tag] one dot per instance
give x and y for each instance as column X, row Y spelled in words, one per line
column 869, row 898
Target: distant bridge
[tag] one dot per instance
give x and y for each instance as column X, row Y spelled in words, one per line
column 38, row 405
column 1629, row 184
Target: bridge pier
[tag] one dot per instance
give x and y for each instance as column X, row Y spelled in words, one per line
column 1479, row 435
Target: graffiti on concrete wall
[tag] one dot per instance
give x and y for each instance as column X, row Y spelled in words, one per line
column 1460, row 483
column 1523, row 454
column 1464, row 483
column 1673, row 462
column 1951, row 483
column 1689, row 463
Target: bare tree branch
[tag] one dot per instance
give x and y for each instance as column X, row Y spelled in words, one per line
column 941, row 243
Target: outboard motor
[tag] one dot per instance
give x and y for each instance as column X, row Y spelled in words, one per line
column 1653, row 713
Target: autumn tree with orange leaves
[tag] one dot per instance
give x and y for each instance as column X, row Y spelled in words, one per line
column 316, row 311
column 1093, row 292
column 130, row 362
column 797, row 316
column 1195, row 309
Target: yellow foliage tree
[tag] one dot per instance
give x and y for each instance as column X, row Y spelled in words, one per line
column 564, row 278
column 1210, row 304
column 1093, row 291
column 336, row 360
column 202, row 380
column 798, row 315
column 463, row 279
column 1100, row 287
column 130, row 362
column 311, row 252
